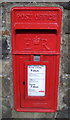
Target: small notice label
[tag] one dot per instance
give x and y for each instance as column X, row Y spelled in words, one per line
column 36, row 80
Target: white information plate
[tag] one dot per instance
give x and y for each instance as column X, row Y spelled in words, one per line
column 36, row 80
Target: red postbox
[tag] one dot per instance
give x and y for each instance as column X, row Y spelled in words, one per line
column 36, row 52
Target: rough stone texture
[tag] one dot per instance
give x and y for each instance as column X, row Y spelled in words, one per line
column 0, row 62
column 0, row 88
column 7, row 80
column 69, row 54
column 64, row 53
column 62, row 1
column 32, row 115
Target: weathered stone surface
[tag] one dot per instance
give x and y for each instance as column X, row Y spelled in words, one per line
column 6, row 109
column 0, row 48
column 66, row 98
column 0, row 88
column 32, row 115
column 6, row 32
column 66, row 25
column 69, row 54
column 6, row 90
column 66, row 5
column 6, row 46
column 64, row 53
column 0, row 17
column 7, row 67
column 69, row 14
column 64, row 81
column 63, row 113
column 62, row 1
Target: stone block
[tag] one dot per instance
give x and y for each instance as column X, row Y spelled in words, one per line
column 6, row 109
column 6, row 87
column 63, row 113
column 0, row 107
column 32, row 115
column 66, row 25
column 66, row 5
column 69, row 53
column 64, row 53
column 0, row 85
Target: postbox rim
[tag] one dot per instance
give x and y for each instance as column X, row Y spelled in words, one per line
column 36, row 8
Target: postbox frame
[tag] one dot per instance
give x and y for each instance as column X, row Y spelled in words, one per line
column 17, row 96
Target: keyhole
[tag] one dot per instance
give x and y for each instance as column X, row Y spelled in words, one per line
column 23, row 83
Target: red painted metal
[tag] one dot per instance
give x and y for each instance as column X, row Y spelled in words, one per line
column 36, row 31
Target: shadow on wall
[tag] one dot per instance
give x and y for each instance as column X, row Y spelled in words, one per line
column 5, row 50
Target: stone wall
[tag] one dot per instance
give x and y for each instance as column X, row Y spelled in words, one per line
column 7, row 80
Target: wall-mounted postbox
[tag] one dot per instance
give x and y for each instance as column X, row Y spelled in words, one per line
column 35, row 52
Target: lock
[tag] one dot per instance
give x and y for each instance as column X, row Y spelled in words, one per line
column 23, row 83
